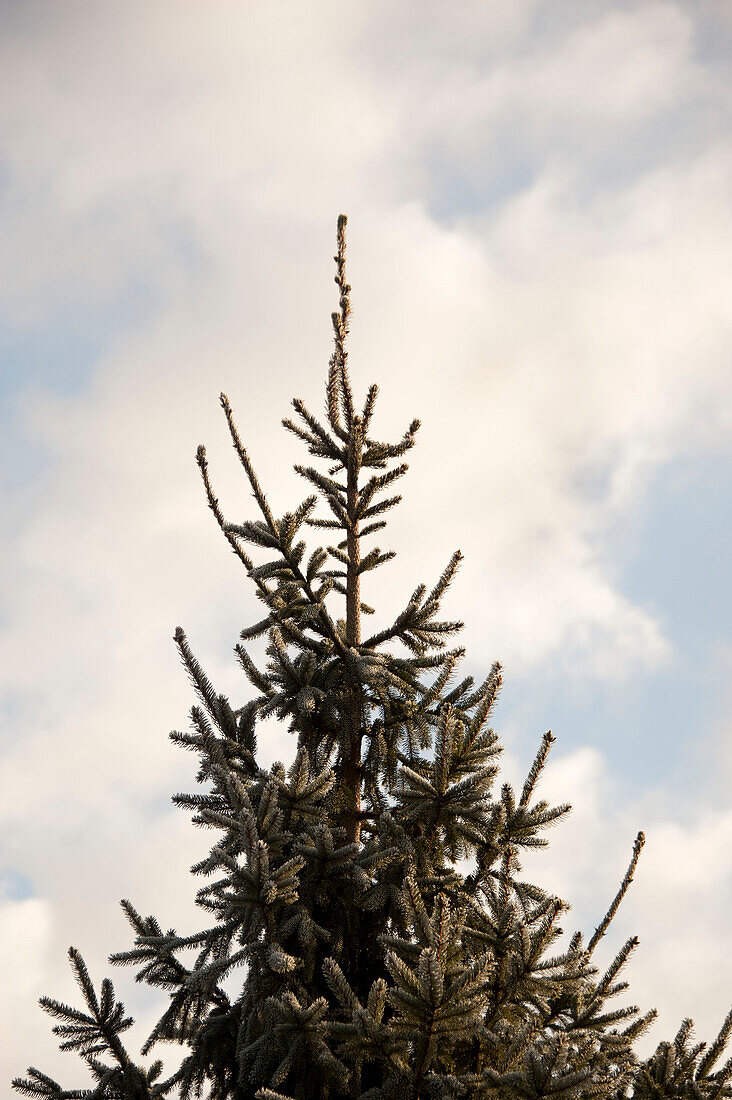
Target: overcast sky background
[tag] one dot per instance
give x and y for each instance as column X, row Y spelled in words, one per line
column 540, row 248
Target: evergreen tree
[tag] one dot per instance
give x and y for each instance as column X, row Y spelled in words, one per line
column 375, row 964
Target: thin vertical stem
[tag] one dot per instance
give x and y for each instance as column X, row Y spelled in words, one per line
column 353, row 547
column 354, row 438
column 352, row 771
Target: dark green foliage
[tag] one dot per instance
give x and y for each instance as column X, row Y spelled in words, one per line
column 371, row 893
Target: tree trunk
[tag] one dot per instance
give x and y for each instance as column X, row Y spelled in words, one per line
column 352, row 768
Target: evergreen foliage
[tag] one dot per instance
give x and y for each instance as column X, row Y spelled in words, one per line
column 372, row 891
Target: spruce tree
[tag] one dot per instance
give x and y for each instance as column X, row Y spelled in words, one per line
column 371, row 893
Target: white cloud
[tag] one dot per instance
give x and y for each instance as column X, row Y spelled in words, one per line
column 559, row 342
column 25, row 930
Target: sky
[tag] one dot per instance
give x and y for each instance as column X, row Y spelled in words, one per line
column 540, row 248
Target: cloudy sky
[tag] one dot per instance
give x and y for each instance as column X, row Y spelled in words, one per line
column 540, row 245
